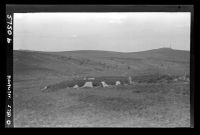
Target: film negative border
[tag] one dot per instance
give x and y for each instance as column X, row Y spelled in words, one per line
column 9, row 74
column 11, row 9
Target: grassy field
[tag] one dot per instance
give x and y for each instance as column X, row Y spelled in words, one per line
column 155, row 100
column 139, row 105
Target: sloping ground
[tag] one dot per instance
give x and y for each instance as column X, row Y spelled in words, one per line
column 141, row 105
column 146, row 105
column 165, row 54
column 163, row 61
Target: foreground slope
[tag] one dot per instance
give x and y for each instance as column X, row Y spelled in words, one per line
column 139, row 105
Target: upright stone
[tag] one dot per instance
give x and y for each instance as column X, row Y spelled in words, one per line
column 88, row 85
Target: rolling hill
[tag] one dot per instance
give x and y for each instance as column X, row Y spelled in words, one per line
column 100, row 63
column 143, row 104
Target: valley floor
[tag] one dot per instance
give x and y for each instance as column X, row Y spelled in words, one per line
column 140, row 105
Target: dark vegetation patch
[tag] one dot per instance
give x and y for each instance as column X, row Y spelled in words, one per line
column 81, row 82
column 111, row 80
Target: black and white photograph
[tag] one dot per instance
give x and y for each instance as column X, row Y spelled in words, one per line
column 101, row 69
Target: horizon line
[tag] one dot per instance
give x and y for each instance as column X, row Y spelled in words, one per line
column 97, row 50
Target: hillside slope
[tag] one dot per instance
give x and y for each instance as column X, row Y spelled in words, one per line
column 99, row 63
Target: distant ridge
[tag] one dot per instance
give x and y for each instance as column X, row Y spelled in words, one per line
column 152, row 50
column 98, row 62
column 161, row 50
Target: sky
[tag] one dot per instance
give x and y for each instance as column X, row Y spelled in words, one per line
column 108, row 31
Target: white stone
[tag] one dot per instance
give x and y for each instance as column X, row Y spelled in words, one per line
column 44, row 88
column 88, row 84
column 76, row 86
column 117, row 83
column 175, row 79
column 104, row 84
column 130, row 79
